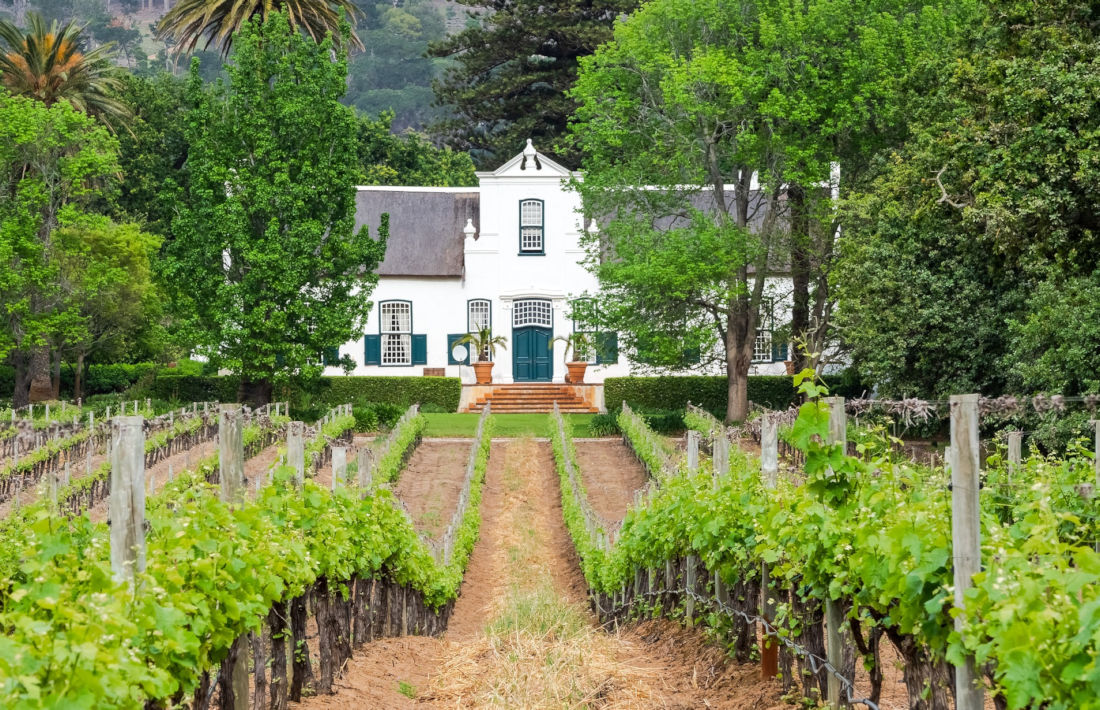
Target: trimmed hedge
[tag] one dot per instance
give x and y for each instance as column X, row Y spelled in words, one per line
column 103, row 379
column 443, row 392
column 711, row 392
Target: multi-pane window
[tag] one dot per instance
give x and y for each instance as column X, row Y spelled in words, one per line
column 530, row 226
column 478, row 316
column 762, row 347
column 532, row 311
column 396, row 328
column 584, row 321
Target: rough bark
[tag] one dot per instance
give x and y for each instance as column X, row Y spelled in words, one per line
column 800, row 272
column 21, row 394
column 302, row 668
column 811, row 614
column 55, row 374
column 259, row 669
column 276, row 621
column 41, row 388
column 928, row 682
column 255, row 393
column 323, row 607
column 78, row 378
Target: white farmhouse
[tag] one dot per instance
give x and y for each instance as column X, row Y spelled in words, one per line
column 504, row 254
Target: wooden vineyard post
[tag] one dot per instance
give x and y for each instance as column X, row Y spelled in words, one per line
column 693, row 451
column 834, row 613
column 966, row 538
column 295, row 451
column 230, row 454
column 769, row 470
column 689, row 589
column 127, row 502
column 1015, row 441
column 339, row 466
column 721, row 453
column 365, row 460
column 231, row 479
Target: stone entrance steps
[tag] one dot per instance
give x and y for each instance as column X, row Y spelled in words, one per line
column 532, row 398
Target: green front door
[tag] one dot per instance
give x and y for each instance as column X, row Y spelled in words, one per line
column 532, row 358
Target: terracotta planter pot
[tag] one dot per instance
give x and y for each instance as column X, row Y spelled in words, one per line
column 575, row 372
column 790, row 366
column 484, row 372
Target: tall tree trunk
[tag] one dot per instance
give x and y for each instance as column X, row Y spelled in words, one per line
column 800, row 273
column 21, row 364
column 78, row 377
column 255, row 393
column 737, row 372
column 55, row 373
column 41, row 388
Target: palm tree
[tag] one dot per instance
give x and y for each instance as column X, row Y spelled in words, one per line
column 48, row 63
column 218, row 21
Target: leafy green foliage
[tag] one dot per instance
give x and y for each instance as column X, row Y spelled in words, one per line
column 656, row 455
column 710, row 392
column 271, row 178
column 515, row 62
column 409, row 158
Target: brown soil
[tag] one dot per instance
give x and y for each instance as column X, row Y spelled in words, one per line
column 430, row 484
column 524, row 546
column 611, row 474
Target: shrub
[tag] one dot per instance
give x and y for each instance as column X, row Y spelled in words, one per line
column 441, row 392
column 603, row 425
column 710, row 392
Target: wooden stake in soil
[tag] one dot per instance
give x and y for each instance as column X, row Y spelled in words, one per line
column 231, row 454
column 834, row 614
column 965, row 531
column 127, row 502
column 769, row 469
column 365, row 461
column 693, row 450
column 1015, row 441
column 295, row 452
column 339, row 466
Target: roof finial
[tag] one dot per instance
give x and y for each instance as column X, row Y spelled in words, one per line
column 593, row 227
column 470, row 230
column 530, row 152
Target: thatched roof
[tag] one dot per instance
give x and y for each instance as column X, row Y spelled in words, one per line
column 426, row 224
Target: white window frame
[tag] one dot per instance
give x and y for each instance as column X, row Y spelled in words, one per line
column 487, row 312
column 532, row 231
column 591, row 355
column 762, row 346
column 395, row 329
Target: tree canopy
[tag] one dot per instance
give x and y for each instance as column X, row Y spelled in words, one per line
column 982, row 212
column 264, row 266
column 516, row 62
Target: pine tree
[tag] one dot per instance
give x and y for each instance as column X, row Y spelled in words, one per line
column 515, row 63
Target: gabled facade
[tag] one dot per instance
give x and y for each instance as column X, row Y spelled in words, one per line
column 504, row 254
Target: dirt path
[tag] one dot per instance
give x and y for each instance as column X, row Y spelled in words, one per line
column 430, row 484
column 522, row 636
column 611, row 474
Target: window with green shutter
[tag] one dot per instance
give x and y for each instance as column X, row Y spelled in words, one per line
column 452, row 341
column 372, row 350
column 607, row 348
column 330, row 356
column 420, row 350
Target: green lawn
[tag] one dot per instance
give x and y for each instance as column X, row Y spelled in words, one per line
column 505, row 425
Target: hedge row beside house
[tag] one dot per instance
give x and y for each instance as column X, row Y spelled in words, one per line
column 711, row 392
column 444, row 392
column 102, row 379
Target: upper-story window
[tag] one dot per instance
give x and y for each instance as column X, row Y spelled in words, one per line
column 395, row 327
column 762, row 347
column 531, row 227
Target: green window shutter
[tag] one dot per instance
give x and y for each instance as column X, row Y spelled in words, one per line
column 452, row 340
column 280, row 359
column 420, row 349
column 372, row 350
column 779, row 352
column 691, row 356
column 330, row 356
column 607, row 348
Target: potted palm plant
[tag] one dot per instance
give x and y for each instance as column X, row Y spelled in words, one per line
column 575, row 344
column 484, row 345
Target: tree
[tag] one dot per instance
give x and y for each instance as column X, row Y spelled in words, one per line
column 671, row 130
column 53, row 160
column 264, row 266
column 409, row 158
column 219, row 21
column 516, row 62
column 990, row 195
column 105, row 270
column 49, row 63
